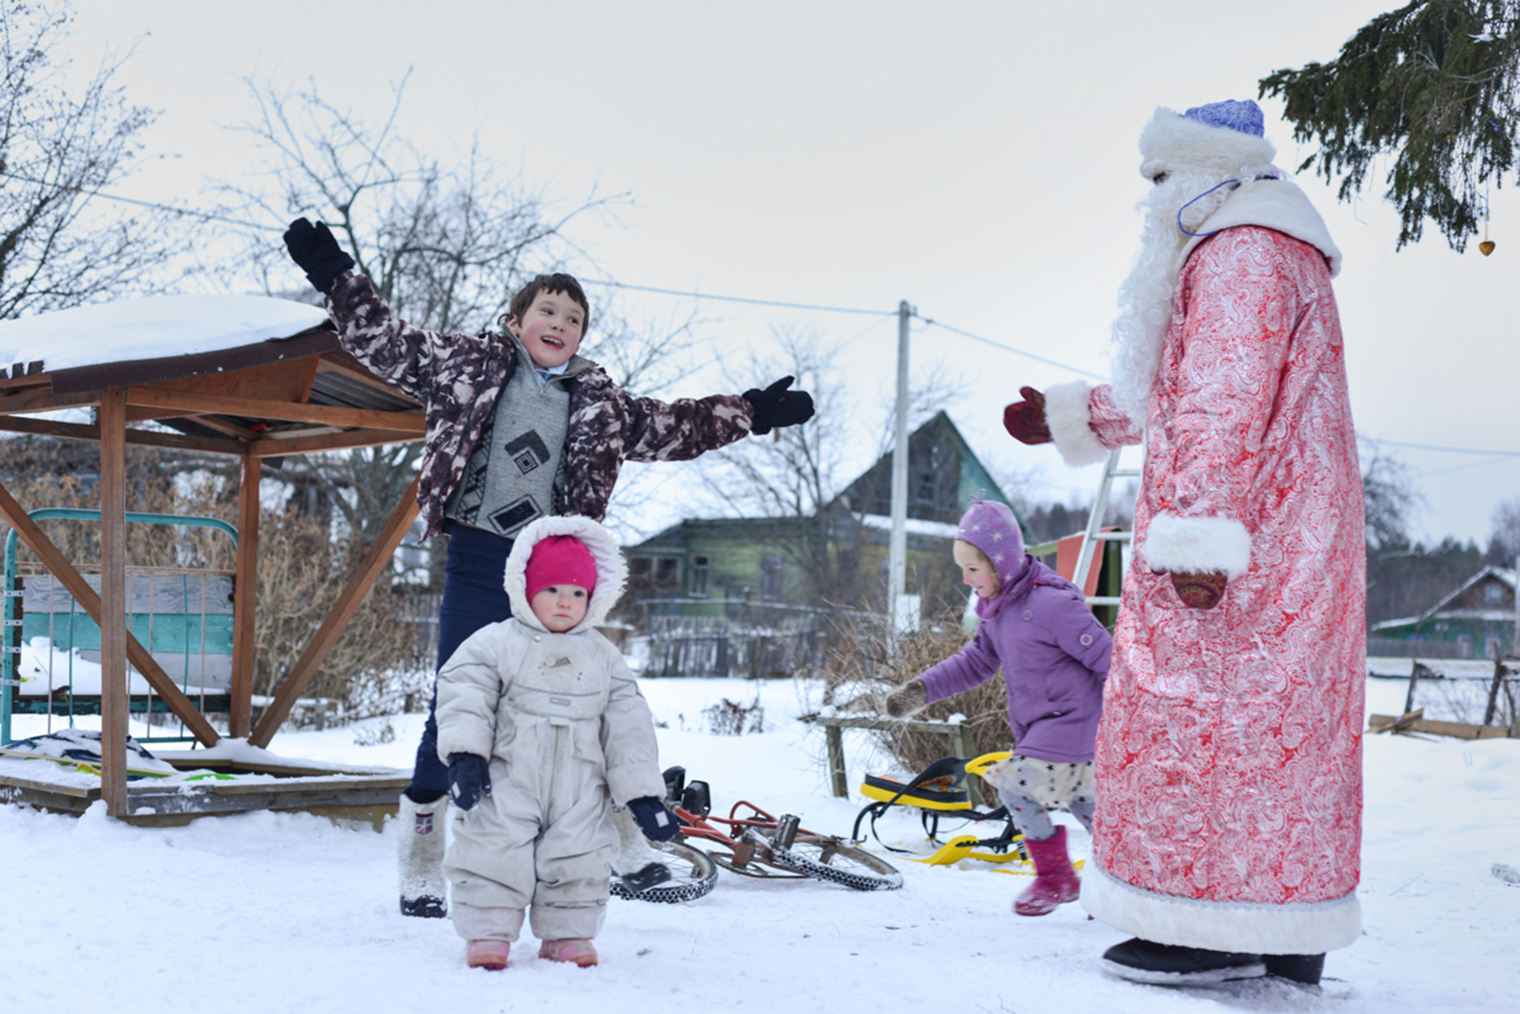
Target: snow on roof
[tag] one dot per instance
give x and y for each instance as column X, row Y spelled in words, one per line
column 151, row 328
column 913, row 526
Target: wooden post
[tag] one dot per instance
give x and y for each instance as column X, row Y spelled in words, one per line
column 838, row 781
column 113, row 601
column 240, row 720
column 343, row 610
column 1493, row 688
column 1414, row 677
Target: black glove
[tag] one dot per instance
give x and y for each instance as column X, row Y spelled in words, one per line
column 653, row 819
column 315, row 251
column 469, row 779
column 776, row 406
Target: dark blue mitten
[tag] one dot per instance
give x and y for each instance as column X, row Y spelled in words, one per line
column 776, row 406
column 653, row 819
column 316, row 252
column 469, row 779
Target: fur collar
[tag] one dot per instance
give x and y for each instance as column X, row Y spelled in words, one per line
column 611, row 574
column 1275, row 204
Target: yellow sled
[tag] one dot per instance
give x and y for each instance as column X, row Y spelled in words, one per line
column 939, row 791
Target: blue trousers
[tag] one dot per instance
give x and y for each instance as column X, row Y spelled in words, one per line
column 473, row 597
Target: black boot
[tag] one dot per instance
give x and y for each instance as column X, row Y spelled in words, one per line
column 1304, row 968
column 1165, row 965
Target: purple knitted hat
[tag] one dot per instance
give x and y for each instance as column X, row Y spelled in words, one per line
column 992, row 528
column 1242, row 116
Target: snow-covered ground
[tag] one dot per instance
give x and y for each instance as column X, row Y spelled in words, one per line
column 268, row 912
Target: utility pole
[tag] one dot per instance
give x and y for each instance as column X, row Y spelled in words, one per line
column 904, row 608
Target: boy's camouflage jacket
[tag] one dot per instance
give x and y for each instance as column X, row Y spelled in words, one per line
column 458, row 378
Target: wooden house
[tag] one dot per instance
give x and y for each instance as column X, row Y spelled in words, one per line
column 1472, row 621
column 763, row 569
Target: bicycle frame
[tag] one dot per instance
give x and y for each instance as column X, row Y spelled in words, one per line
column 746, row 848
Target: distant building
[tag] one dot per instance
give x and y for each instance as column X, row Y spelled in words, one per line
column 1470, row 622
column 759, row 569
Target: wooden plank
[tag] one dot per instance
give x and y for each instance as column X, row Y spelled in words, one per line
column 148, row 438
column 839, row 780
column 244, row 602
column 374, row 561
column 113, row 601
column 1415, row 721
column 89, row 600
column 10, row 384
column 42, row 399
column 330, row 363
column 285, row 381
column 254, row 408
column 279, row 448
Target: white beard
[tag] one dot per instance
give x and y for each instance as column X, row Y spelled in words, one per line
column 1145, row 298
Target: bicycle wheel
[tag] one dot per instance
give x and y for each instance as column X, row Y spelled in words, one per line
column 828, row 858
column 692, row 875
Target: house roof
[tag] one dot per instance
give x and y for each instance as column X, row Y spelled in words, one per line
column 1441, row 609
column 233, row 374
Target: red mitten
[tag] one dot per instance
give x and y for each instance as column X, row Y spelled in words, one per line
column 1025, row 420
column 1200, row 591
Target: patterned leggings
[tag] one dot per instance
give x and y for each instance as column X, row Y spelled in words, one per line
column 1027, row 784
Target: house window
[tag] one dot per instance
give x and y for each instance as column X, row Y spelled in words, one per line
column 699, row 576
column 770, row 577
column 1493, row 592
column 924, row 489
column 667, row 572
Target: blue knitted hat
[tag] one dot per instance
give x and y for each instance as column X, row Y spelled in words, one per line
column 992, row 528
column 1242, row 116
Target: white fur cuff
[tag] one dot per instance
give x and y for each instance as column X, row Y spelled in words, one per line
column 1250, row 928
column 1197, row 545
column 1067, row 416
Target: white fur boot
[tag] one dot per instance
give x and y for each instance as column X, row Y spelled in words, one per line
column 422, row 845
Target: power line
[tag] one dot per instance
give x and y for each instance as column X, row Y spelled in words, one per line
column 206, row 216
column 1447, row 450
column 738, row 299
column 1008, row 348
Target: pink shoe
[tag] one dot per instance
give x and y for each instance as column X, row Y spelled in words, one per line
column 1055, row 881
column 576, row 951
column 487, row 954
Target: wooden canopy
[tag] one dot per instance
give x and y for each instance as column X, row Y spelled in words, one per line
column 261, row 399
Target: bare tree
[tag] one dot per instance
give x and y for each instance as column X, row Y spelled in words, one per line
column 60, row 244
column 794, row 473
column 445, row 242
column 1504, row 539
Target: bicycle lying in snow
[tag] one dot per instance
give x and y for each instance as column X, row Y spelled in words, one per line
column 749, row 842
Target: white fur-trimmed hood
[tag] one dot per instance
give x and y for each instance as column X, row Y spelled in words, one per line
column 611, row 572
column 1172, row 140
column 1274, row 204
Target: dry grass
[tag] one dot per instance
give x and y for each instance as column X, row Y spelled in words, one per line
column 863, row 668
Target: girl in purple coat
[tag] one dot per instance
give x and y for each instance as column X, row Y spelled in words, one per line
column 1034, row 625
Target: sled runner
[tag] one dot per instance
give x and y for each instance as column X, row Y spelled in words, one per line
column 939, row 791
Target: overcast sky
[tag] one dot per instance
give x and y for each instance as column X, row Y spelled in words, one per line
column 977, row 160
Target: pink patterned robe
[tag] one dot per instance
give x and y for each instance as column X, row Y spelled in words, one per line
column 1229, row 757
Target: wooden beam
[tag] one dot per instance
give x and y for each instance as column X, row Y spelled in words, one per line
column 113, row 602
column 245, row 596
column 42, row 399
column 282, row 411
column 274, row 447
column 342, row 611
column 38, row 542
column 149, row 438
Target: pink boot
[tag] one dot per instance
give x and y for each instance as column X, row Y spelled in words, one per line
column 488, row 954
column 576, row 951
column 1055, row 882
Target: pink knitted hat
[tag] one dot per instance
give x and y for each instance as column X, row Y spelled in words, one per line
column 560, row 559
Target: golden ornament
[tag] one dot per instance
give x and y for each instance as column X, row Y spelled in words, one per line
column 1487, row 246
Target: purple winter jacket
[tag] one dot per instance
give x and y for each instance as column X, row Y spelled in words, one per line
column 1054, row 655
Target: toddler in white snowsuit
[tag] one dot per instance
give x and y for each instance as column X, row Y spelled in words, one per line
column 542, row 724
